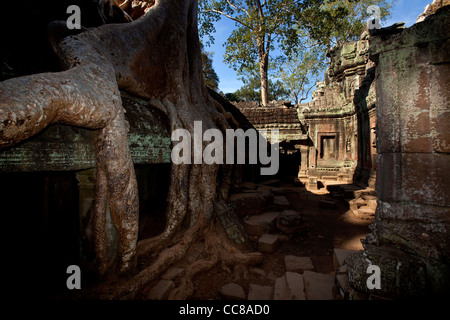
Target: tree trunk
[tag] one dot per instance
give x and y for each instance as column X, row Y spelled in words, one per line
column 156, row 57
column 263, row 70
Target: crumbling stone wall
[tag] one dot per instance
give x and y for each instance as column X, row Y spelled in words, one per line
column 340, row 120
column 411, row 230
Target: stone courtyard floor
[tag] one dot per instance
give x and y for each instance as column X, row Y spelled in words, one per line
column 304, row 237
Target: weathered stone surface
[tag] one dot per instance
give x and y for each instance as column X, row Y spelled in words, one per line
column 412, row 220
column 64, row 148
column 161, row 290
column 258, row 292
column 281, row 201
column 268, row 243
column 260, row 224
column 402, row 276
column 298, row 264
column 291, row 221
column 232, row 291
column 365, row 213
column 289, row 287
column 343, row 285
column 319, row 286
column 339, row 256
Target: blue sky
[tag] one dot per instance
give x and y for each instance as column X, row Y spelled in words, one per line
column 404, row 10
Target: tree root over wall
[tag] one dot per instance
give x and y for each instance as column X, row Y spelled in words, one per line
column 156, row 57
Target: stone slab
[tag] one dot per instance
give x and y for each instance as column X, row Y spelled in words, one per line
column 296, row 285
column 319, row 286
column 268, row 242
column 232, row 291
column 258, row 292
column 258, row 225
column 298, row 264
column 289, row 287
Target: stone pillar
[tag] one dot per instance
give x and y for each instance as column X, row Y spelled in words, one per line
column 304, row 160
column 411, row 231
column 312, row 155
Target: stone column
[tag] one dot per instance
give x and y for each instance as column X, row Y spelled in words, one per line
column 411, row 231
column 312, row 155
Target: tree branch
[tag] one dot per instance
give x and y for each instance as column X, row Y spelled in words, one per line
column 230, row 17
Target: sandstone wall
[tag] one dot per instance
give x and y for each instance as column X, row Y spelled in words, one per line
column 411, row 231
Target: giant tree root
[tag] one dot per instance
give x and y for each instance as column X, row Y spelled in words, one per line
column 219, row 250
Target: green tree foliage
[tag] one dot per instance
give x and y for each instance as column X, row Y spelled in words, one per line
column 260, row 26
column 209, row 74
column 300, row 31
column 299, row 72
column 333, row 22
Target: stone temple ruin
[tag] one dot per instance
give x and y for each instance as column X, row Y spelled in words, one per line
column 334, row 134
column 379, row 120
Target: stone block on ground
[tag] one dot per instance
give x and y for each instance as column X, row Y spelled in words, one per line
column 372, row 203
column 268, row 242
column 291, row 221
column 232, row 291
column 161, row 290
column 298, row 264
column 258, row 292
column 289, row 287
column 281, row 201
column 327, row 204
column 319, row 286
column 365, row 213
column 339, row 256
column 258, row 225
column 360, row 202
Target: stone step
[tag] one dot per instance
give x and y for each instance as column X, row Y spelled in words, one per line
column 258, row 292
column 260, row 224
column 319, row 286
column 298, row 264
column 289, row 287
